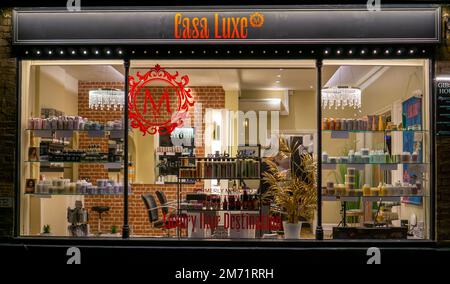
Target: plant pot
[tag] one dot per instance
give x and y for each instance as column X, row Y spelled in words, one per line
column 292, row 231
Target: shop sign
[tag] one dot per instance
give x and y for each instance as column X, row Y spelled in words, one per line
column 235, row 25
column 443, row 108
column 221, row 27
column 158, row 101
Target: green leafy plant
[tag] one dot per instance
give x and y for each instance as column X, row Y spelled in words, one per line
column 114, row 229
column 295, row 194
column 46, row 229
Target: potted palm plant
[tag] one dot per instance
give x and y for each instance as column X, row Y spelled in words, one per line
column 293, row 191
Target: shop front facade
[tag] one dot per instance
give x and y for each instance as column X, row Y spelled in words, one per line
column 263, row 126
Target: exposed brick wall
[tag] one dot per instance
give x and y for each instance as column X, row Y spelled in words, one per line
column 8, row 118
column 209, row 97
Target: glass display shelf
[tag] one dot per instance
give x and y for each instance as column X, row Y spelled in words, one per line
column 68, row 133
column 375, row 131
column 74, row 194
column 221, row 178
column 78, row 130
column 376, row 163
column 387, row 198
column 75, row 162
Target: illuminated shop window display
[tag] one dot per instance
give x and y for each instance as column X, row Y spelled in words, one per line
column 226, row 149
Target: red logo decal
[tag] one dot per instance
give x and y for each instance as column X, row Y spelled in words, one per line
column 158, row 102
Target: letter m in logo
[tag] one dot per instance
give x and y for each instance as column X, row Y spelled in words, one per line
column 156, row 109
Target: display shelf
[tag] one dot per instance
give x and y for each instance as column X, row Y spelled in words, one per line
column 78, row 130
column 76, row 162
column 240, row 211
column 367, row 198
column 374, row 131
column 373, row 163
column 223, row 178
column 72, row 194
column 114, row 134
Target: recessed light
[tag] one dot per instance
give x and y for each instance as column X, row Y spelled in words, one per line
column 120, row 51
column 279, row 75
column 50, row 52
column 108, row 52
column 73, row 52
column 61, row 52
column 387, row 51
column 38, row 52
column 84, row 52
column 96, row 52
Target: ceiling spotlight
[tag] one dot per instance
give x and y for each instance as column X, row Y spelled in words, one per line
column 375, row 51
column 411, row 51
column 338, row 51
column 279, row 75
column 61, row 52
column 108, row 52
column 50, row 52
column 26, row 52
column 120, row 52
column 326, row 51
column 363, row 51
column 84, row 52
column 399, row 51
column 96, row 52
column 38, row 52
column 387, row 51
column 350, row 51
column 73, row 52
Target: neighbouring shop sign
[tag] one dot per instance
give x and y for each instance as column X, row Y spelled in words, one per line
column 443, row 108
column 228, row 25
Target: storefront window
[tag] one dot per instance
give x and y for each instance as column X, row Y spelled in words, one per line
column 72, row 148
column 376, row 150
column 206, row 179
column 226, row 149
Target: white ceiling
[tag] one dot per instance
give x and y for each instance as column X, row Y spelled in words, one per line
column 95, row 73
